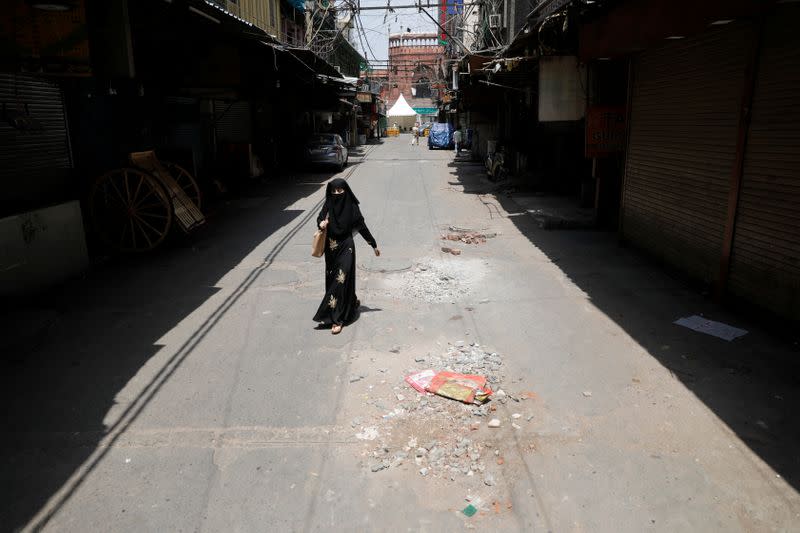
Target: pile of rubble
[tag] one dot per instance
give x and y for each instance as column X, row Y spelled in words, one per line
column 469, row 237
column 432, row 284
column 435, row 435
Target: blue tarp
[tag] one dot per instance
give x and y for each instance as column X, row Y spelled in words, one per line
column 441, row 135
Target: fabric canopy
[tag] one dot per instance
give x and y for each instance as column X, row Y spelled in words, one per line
column 401, row 109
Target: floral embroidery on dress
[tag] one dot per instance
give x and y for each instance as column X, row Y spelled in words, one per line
column 332, row 302
column 332, row 244
column 341, row 276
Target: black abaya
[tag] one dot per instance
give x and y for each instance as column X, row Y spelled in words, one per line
column 340, row 304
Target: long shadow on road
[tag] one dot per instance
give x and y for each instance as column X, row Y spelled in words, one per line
column 59, row 387
column 752, row 384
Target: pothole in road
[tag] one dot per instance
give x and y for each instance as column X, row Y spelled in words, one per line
column 436, row 280
column 386, row 267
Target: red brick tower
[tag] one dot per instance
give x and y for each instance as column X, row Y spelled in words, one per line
column 415, row 62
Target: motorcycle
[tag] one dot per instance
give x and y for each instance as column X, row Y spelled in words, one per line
column 495, row 165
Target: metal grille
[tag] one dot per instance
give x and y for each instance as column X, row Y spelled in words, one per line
column 765, row 262
column 684, row 120
column 29, row 154
column 233, row 121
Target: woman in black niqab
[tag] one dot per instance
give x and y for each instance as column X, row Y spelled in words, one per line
column 343, row 219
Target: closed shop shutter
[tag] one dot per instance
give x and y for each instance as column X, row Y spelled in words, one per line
column 234, row 122
column 35, row 158
column 683, row 126
column 765, row 261
column 184, row 142
column 45, row 146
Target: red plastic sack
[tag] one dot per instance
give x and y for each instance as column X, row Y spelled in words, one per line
column 465, row 388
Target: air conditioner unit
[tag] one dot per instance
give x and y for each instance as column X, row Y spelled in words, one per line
column 495, row 21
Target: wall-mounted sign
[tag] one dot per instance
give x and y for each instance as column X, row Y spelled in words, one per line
column 605, row 130
column 48, row 36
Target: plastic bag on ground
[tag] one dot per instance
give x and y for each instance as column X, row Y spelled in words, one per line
column 465, row 388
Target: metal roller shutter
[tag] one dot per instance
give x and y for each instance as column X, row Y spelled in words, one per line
column 765, row 261
column 234, row 122
column 682, row 144
column 30, row 154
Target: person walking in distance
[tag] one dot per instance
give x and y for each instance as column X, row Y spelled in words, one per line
column 457, row 139
column 342, row 217
column 415, row 135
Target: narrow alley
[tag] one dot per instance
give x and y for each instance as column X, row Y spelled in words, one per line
column 191, row 391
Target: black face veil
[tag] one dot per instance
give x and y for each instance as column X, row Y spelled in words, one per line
column 344, row 214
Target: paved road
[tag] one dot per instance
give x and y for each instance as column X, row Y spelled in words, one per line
column 190, row 391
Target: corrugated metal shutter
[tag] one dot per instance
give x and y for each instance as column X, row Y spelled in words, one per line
column 684, row 120
column 28, row 155
column 184, row 122
column 765, row 261
column 184, row 142
column 234, row 122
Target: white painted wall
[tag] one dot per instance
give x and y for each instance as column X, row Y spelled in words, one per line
column 562, row 89
column 41, row 248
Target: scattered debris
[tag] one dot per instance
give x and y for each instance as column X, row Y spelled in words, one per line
column 587, row 393
column 356, row 377
column 710, row 327
column 494, row 423
column 438, row 280
column 515, row 425
column 420, row 380
column 368, row 433
column 439, row 438
column 377, row 467
column 452, row 251
column 470, row 237
column 516, row 415
column 470, row 510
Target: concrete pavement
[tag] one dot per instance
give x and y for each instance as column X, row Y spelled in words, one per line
column 190, row 391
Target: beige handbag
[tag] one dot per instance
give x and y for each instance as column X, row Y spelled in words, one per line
column 318, row 242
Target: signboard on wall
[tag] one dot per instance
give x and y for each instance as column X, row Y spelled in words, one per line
column 52, row 41
column 562, row 89
column 605, row 130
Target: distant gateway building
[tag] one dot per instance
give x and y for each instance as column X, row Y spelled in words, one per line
column 415, row 60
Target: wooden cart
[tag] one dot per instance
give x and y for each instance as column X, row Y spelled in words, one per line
column 134, row 208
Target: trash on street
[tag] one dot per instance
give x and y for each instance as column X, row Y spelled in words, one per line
column 465, row 388
column 711, row 327
column 421, row 380
column 470, row 510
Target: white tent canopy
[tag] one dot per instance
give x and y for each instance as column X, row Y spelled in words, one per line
column 401, row 109
column 402, row 114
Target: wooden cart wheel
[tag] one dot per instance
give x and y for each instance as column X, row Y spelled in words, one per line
column 186, row 181
column 131, row 210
